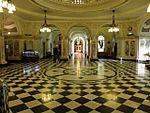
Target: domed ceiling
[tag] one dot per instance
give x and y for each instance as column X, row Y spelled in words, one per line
column 86, row 10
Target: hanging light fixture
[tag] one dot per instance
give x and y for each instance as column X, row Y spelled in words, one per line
column 7, row 4
column 45, row 27
column 78, row 2
column 113, row 27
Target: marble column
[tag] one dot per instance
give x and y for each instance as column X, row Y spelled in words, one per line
column 94, row 50
column 2, row 44
column 89, row 48
column 64, row 48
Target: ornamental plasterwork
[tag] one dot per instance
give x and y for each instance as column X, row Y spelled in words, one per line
column 91, row 6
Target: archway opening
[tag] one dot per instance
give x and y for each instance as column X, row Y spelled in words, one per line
column 78, row 42
column 10, row 31
column 78, row 46
column 51, row 41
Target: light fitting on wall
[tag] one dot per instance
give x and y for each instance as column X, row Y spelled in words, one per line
column 129, row 31
column 113, row 27
column 7, row 4
column 45, row 26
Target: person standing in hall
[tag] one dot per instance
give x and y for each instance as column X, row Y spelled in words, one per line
column 109, row 50
column 56, row 54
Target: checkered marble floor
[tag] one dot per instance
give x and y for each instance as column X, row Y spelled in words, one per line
column 104, row 86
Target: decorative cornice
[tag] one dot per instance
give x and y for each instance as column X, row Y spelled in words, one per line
column 92, row 6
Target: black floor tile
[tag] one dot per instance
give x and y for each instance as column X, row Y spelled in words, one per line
column 11, row 98
column 61, row 109
column 144, row 108
column 125, row 109
column 120, row 100
column 144, row 92
column 82, row 100
column 34, row 92
column 98, row 93
column 65, row 93
column 39, row 109
column 19, row 92
column 100, row 100
column 18, row 108
column 63, row 100
column 27, row 99
column 129, row 92
column 104, row 109
column 82, row 109
column 136, row 99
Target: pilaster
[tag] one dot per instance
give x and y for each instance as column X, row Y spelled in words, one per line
column 2, row 44
column 94, row 49
column 93, row 45
column 64, row 48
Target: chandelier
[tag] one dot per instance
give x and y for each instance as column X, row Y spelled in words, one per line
column 45, row 26
column 7, row 4
column 113, row 27
column 78, row 2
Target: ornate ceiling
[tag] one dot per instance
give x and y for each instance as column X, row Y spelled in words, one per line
column 90, row 10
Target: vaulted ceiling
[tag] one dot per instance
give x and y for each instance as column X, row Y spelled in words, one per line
column 92, row 10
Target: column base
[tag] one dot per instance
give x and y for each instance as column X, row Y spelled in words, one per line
column 3, row 63
column 94, row 59
column 63, row 59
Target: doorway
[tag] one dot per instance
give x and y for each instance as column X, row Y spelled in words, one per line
column 78, row 46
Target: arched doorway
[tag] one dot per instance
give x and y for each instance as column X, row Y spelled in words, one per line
column 50, row 41
column 78, row 46
column 78, row 42
column 12, row 47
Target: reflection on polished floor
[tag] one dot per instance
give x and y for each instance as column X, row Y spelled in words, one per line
column 104, row 86
column 78, row 55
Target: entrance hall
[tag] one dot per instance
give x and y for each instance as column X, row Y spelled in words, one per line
column 75, row 56
column 106, row 86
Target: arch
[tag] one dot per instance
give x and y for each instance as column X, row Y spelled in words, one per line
column 51, row 40
column 80, row 26
column 53, row 27
column 81, row 33
column 12, row 26
column 143, row 20
column 145, row 28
